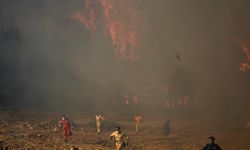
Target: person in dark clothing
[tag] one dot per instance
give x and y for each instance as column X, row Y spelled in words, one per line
column 211, row 145
column 167, row 127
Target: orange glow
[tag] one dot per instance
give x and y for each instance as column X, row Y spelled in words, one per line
column 167, row 105
column 126, row 98
column 89, row 17
column 245, row 46
column 119, row 29
column 117, row 21
column 244, row 67
column 246, row 50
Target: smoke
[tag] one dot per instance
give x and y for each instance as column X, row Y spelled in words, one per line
column 50, row 60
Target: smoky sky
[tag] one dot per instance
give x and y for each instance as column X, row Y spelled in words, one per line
column 50, row 60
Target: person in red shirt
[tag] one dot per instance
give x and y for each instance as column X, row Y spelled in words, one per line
column 65, row 122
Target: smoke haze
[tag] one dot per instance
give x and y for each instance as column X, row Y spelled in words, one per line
column 50, row 60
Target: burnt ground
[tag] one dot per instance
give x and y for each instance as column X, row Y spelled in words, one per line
column 23, row 130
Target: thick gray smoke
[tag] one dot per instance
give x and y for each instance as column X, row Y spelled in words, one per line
column 48, row 60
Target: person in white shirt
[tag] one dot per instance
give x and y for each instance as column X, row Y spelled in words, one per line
column 138, row 119
column 99, row 119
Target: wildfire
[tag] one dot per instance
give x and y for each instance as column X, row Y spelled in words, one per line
column 89, row 19
column 117, row 20
column 244, row 67
column 245, row 46
column 246, row 50
column 131, row 96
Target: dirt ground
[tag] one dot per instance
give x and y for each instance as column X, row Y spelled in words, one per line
column 23, row 130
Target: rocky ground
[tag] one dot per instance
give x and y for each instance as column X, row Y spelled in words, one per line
column 23, row 130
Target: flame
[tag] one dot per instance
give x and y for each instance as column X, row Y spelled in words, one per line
column 245, row 46
column 183, row 100
column 89, row 19
column 119, row 29
column 126, row 98
column 117, row 20
column 244, row 67
column 246, row 50
column 132, row 96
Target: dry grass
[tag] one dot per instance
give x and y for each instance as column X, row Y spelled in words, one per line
column 30, row 130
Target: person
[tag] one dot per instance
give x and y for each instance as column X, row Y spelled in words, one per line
column 99, row 119
column 211, row 145
column 138, row 119
column 121, row 139
column 67, row 125
column 167, row 127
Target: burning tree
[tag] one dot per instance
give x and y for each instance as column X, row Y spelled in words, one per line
column 117, row 20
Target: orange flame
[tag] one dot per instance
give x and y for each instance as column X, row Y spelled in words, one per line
column 244, row 44
column 89, row 19
column 244, row 67
column 119, row 25
column 246, row 50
